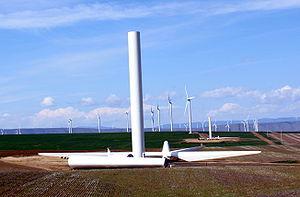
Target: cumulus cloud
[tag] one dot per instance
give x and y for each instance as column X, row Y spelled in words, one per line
column 231, row 92
column 113, row 100
column 4, row 115
column 285, row 100
column 88, row 101
column 162, row 97
column 68, row 112
column 59, row 116
column 47, row 101
column 230, row 108
column 284, row 94
column 106, row 111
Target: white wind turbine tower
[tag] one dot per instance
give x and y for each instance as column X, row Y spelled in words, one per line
column 215, row 125
column 2, row 132
column 99, row 123
column 203, row 125
column 70, row 126
column 158, row 117
column 170, row 112
column 244, row 125
column 152, row 119
column 247, row 123
column 189, row 105
column 255, row 125
column 127, row 118
column 227, row 126
column 186, row 126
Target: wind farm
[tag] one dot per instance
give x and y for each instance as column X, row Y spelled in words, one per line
column 181, row 98
column 139, row 157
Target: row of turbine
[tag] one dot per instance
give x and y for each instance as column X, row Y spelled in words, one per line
column 188, row 107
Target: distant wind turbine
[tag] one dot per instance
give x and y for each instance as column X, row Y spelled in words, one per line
column 244, row 125
column 215, row 125
column 255, row 125
column 227, row 126
column 170, row 112
column 247, row 123
column 203, row 125
column 70, row 126
column 158, row 117
column 189, row 106
column 127, row 119
column 152, row 119
column 2, row 132
column 99, row 123
column 186, row 126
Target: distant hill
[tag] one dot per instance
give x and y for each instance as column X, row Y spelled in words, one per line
column 265, row 124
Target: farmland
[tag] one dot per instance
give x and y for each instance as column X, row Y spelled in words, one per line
column 274, row 172
column 205, row 181
column 102, row 141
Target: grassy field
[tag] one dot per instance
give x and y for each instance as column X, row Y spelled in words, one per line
column 204, row 181
column 94, row 141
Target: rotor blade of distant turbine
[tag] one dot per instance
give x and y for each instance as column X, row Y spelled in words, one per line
column 186, row 92
column 186, row 106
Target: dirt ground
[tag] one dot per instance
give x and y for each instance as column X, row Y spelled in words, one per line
column 250, row 176
column 224, row 139
column 270, row 156
column 286, row 138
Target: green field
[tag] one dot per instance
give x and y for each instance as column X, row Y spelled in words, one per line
column 95, row 141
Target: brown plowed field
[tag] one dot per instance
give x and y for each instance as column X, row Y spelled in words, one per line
column 23, row 173
column 287, row 138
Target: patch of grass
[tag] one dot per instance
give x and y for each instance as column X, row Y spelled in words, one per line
column 286, row 161
column 234, row 134
column 95, row 141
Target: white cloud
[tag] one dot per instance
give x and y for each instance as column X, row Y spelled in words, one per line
column 47, row 101
column 227, row 107
column 4, row 115
column 107, row 111
column 53, row 15
column 68, row 112
column 99, row 11
column 231, row 92
column 230, row 108
column 284, row 100
column 162, row 97
column 58, row 117
column 256, row 6
column 284, row 94
column 87, row 101
column 113, row 100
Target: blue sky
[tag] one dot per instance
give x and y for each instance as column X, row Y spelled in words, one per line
column 68, row 59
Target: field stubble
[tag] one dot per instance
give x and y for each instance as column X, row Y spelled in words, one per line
column 204, row 181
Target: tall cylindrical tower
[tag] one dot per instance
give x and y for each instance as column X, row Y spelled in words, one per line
column 209, row 128
column 136, row 94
